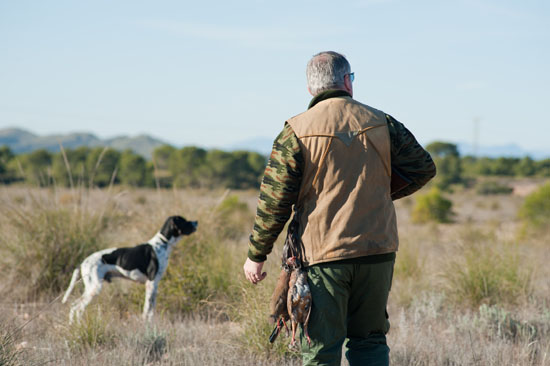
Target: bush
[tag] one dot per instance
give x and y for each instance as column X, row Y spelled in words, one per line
column 535, row 211
column 492, row 187
column 432, row 206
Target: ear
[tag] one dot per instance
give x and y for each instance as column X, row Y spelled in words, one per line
column 173, row 226
column 348, row 85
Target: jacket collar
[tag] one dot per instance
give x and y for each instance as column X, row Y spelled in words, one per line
column 327, row 94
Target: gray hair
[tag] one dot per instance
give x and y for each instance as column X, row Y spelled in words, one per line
column 326, row 70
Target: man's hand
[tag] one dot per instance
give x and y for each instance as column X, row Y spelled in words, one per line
column 253, row 271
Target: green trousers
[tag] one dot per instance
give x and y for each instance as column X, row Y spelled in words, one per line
column 349, row 303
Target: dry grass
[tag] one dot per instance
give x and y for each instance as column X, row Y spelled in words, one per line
column 471, row 292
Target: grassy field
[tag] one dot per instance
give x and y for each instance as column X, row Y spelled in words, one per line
column 471, row 292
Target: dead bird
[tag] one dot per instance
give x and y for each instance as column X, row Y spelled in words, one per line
column 298, row 301
column 278, row 305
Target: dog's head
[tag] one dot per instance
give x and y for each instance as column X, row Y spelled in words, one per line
column 176, row 226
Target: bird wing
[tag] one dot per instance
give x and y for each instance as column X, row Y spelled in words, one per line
column 278, row 303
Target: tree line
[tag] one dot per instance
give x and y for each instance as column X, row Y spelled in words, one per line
column 169, row 167
column 455, row 169
column 196, row 167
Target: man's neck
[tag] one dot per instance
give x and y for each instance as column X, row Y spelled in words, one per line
column 327, row 94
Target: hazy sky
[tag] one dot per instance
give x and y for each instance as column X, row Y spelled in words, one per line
column 212, row 73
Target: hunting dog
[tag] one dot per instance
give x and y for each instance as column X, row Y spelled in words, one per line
column 145, row 263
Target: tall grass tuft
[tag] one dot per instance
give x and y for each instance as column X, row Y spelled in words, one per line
column 253, row 316
column 408, row 263
column 153, row 344
column 485, row 272
column 9, row 354
column 91, row 332
column 12, row 349
column 409, row 277
column 48, row 241
column 505, row 325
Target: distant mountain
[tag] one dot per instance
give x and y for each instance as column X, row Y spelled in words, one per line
column 22, row 141
column 509, row 150
column 141, row 144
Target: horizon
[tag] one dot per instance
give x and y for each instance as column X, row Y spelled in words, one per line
column 262, row 145
column 217, row 74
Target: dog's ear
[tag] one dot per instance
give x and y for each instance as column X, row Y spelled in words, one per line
column 177, row 226
column 169, row 228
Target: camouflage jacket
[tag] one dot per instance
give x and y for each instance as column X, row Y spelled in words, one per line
column 282, row 178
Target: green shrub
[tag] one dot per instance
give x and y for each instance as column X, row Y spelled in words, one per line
column 492, row 187
column 535, row 211
column 432, row 206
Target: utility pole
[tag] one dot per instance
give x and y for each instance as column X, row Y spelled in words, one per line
column 475, row 145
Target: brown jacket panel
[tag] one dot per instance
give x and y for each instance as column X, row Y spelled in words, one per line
column 345, row 209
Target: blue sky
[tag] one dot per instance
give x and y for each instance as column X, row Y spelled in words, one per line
column 213, row 73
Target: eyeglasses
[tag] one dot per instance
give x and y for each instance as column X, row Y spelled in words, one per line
column 351, row 76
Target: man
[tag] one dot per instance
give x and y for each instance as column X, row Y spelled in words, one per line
column 334, row 164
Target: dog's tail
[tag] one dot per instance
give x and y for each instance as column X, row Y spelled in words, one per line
column 76, row 273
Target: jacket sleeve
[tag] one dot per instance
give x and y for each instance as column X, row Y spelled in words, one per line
column 278, row 193
column 409, row 158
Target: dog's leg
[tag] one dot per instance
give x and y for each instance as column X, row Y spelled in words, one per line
column 76, row 273
column 150, row 299
column 77, row 309
column 92, row 287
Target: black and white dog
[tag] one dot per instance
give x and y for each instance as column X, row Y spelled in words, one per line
column 145, row 263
